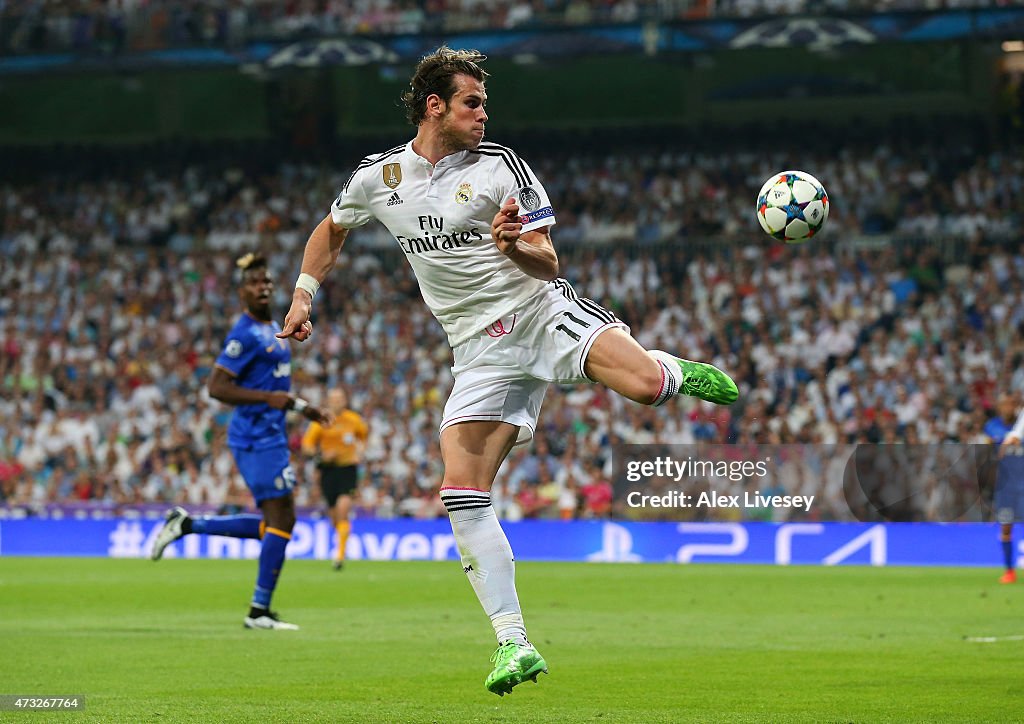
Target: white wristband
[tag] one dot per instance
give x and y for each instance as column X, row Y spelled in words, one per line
column 308, row 283
column 300, row 405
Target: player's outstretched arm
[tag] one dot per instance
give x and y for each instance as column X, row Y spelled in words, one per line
column 532, row 251
column 318, row 260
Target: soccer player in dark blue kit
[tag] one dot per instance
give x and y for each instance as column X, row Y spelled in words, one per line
column 1003, row 431
column 253, row 373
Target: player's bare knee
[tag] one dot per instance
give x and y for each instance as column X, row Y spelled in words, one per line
column 285, row 522
column 279, row 514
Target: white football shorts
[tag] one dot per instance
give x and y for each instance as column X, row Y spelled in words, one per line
column 502, row 373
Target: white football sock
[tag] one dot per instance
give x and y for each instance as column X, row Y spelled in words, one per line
column 486, row 559
column 672, row 376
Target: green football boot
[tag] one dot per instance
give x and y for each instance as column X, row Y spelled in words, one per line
column 513, row 664
column 707, row 382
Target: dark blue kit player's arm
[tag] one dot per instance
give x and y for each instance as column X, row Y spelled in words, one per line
column 221, row 386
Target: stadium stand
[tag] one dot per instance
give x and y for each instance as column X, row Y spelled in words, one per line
column 116, row 26
column 117, row 296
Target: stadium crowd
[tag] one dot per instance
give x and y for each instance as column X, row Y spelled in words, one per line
column 900, row 323
column 115, row 26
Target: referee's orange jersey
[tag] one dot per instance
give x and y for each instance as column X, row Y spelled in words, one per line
column 341, row 443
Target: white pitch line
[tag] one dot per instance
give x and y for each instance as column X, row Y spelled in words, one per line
column 992, row 639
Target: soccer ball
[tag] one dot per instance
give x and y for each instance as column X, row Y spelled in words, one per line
column 792, row 206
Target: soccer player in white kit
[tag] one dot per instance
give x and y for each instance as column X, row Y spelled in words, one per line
column 474, row 223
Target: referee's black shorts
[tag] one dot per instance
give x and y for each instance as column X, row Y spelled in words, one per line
column 337, row 480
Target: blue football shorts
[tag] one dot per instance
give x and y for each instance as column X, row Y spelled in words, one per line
column 267, row 472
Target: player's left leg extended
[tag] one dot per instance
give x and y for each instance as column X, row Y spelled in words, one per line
column 618, row 361
column 179, row 523
column 472, row 452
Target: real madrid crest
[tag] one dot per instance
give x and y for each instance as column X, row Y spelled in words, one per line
column 465, row 194
column 392, row 175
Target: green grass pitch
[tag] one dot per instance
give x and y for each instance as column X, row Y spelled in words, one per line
column 407, row 642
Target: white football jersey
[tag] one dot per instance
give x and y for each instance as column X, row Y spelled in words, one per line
column 441, row 218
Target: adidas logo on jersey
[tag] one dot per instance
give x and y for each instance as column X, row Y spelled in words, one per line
column 395, row 199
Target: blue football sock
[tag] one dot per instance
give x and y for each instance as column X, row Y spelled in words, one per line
column 1008, row 554
column 271, row 561
column 233, row 526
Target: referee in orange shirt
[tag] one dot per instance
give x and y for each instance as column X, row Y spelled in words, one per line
column 340, row 450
